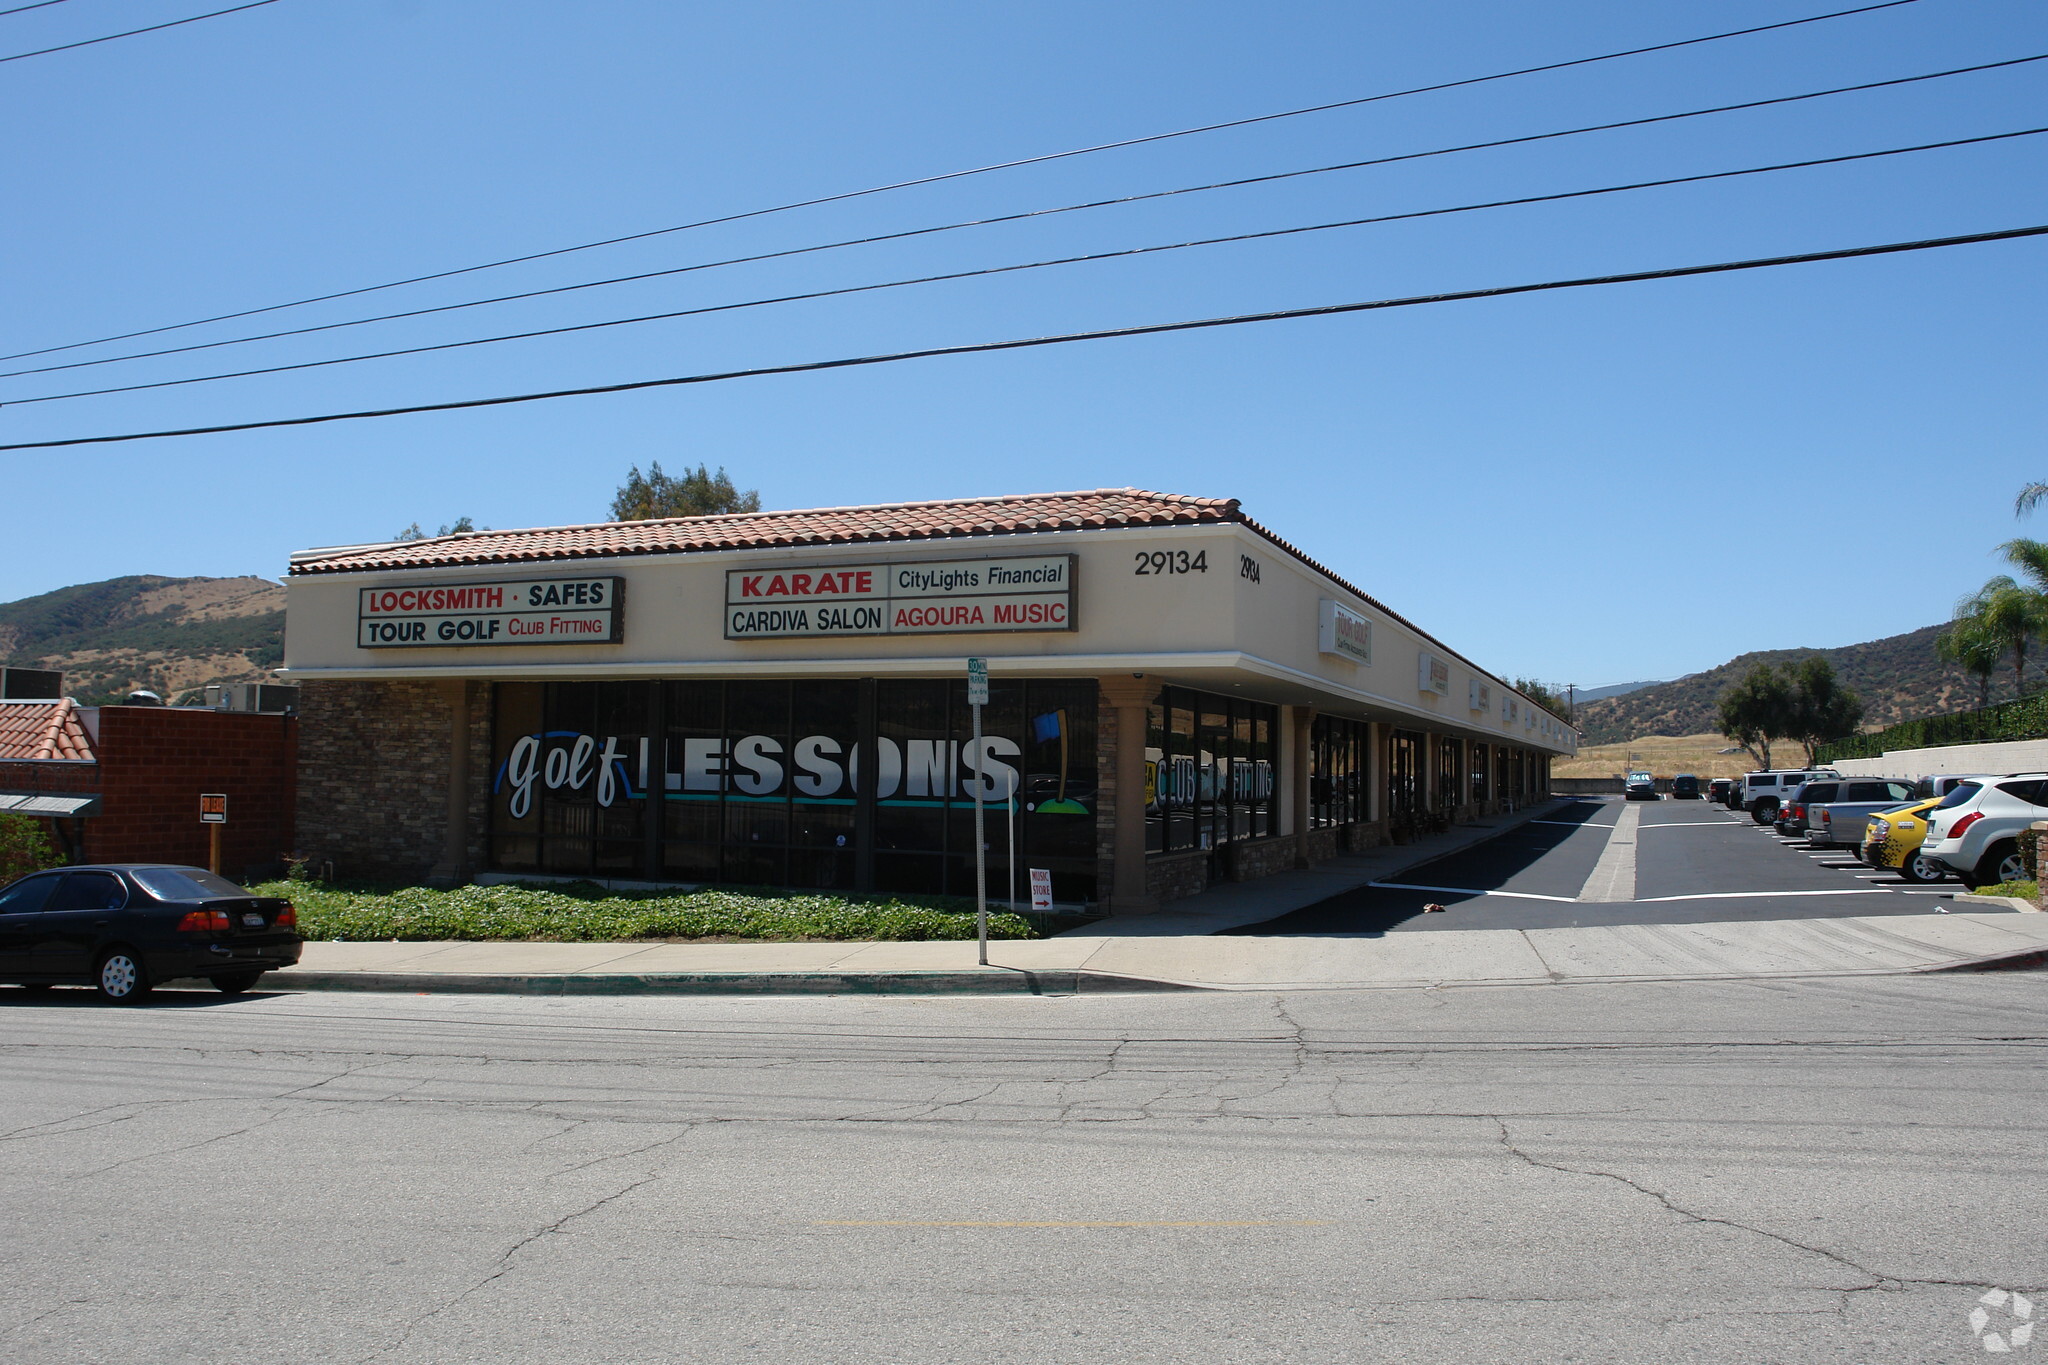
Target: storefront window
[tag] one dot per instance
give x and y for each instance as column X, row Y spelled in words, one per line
column 1209, row 771
column 830, row 784
column 1449, row 766
column 1404, row 775
column 1481, row 756
column 1337, row 768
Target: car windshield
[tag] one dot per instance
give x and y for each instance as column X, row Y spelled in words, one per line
column 1964, row 792
column 185, row 883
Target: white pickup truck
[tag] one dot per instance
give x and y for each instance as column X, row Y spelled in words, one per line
column 1763, row 792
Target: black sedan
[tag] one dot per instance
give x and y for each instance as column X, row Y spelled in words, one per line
column 125, row 927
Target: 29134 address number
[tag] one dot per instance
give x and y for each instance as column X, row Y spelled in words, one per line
column 1155, row 562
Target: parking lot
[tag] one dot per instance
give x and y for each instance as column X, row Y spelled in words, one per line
column 1600, row 862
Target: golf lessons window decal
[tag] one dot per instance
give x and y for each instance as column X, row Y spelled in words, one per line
column 943, row 597
column 520, row 611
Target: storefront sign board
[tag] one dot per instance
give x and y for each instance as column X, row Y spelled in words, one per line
column 1344, row 632
column 518, row 611
column 1434, row 675
column 945, row 597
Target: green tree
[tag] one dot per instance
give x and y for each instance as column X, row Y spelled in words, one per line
column 2030, row 497
column 1821, row 708
column 462, row 526
column 1971, row 646
column 24, row 847
column 1757, row 709
column 2010, row 614
column 1550, row 698
column 697, row 493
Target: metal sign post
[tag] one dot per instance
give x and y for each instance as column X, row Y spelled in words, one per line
column 977, row 697
column 213, row 813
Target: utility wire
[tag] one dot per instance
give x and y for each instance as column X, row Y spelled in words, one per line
column 153, row 28
column 1009, row 218
column 24, row 9
column 1010, row 269
column 957, row 175
column 984, row 347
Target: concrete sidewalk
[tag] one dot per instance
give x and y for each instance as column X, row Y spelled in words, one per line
column 1484, row 957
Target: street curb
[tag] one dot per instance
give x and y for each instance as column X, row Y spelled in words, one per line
column 2025, row 907
column 999, row 982
column 2022, row 960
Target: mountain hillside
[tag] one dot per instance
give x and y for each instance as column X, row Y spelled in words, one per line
column 1898, row 678
column 169, row 635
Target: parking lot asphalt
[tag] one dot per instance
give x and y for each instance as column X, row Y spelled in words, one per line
column 1693, row 863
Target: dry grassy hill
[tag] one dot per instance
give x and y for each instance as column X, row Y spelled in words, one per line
column 170, row 635
column 1898, row 678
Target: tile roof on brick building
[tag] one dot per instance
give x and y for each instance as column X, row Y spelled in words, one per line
column 42, row 731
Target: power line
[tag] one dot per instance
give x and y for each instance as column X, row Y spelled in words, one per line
column 1012, row 218
column 1011, row 269
column 983, row 347
column 957, row 175
column 153, row 28
column 24, row 9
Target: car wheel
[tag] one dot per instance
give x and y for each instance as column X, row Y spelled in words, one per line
column 1764, row 812
column 234, row 983
column 2002, row 863
column 121, row 979
column 1918, row 867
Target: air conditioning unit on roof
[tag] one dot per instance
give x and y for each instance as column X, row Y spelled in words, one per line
column 266, row 698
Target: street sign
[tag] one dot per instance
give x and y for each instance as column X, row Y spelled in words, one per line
column 977, row 682
column 1041, row 890
column 213, row 808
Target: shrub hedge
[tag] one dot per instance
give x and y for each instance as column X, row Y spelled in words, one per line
column 2026, row 718
column 586, row 912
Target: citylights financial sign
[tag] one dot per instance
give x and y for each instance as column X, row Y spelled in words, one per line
column 944, row 597
column 524, row 611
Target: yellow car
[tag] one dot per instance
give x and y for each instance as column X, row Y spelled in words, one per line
column 1892, row 839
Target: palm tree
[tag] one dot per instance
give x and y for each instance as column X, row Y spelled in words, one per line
column 1972, row 647
column 2029, row 496
column 2011, row 615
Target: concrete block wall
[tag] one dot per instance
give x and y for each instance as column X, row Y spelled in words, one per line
column 2021, row 756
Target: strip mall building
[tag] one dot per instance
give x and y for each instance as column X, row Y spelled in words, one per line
column 1178, row 697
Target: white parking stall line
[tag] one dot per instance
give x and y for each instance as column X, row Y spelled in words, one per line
column 1758, row 895
column 1470, row 891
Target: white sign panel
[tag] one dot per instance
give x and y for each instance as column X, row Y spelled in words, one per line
column 1434, row 675
column 947, row 597
column 1344, row 632
column 520, row 611
column 1479, row 695
column 1041, row 890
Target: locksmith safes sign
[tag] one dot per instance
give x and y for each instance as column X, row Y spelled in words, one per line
column 520, row 611
column 937, row 597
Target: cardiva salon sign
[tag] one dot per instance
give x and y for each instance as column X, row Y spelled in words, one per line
column 816, row 767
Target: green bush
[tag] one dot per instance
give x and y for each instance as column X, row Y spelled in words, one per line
column 585, row 912
column 2026, row 718
column 24, row 847
column 2026, row 891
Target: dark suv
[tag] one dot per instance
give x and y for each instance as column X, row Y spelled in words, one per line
column 125, row 927
column 1685, row 787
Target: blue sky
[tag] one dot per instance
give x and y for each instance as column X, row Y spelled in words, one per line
column 1587, row 486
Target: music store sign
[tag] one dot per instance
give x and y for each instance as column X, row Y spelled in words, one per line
column 939, row 597
column 519, row 611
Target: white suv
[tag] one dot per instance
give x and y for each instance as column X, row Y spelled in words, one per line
column 1762, row 792
column 1974, row 832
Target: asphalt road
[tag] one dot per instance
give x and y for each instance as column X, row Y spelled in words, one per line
column 1692, row 863
column 1809, row 1171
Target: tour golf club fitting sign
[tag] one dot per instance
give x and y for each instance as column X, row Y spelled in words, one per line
column 519, row 611
column 943, row 597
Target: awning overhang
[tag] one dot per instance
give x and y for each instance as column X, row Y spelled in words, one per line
column 59, row 804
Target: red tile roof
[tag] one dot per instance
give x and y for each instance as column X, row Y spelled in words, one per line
column 1089, row 511
column 43, row 730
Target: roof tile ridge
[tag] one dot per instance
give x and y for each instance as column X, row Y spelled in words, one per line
column 53, row 732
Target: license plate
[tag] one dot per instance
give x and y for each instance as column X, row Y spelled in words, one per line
column 252, row 920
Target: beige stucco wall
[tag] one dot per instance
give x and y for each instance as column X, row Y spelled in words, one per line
column 1221, row 629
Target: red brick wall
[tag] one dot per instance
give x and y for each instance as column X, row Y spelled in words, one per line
column 156, row 760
